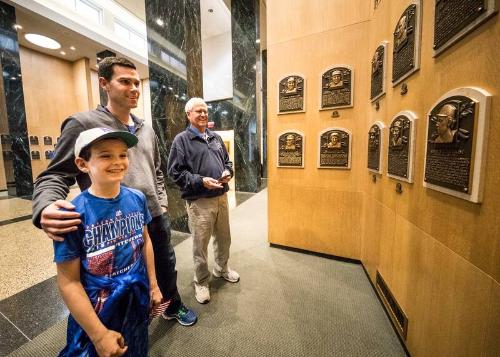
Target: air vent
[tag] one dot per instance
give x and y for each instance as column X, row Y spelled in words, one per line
column 395, row 312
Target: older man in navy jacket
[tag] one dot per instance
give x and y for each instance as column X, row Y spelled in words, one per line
column 199, row 164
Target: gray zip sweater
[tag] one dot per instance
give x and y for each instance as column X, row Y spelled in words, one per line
column 143, row 174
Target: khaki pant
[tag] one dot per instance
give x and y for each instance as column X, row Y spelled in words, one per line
column 207, row 217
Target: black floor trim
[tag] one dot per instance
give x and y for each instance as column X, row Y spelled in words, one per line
column 14, row 220
column 310, row 252
column 394, row 327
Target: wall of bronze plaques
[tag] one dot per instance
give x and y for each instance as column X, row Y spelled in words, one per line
column 334, row 150
column 375, row 140
column 291, row 94
column 291, row 145
column 406, row 43
column 379, row 64
column 337, row 87
column 453, row 19
column 401, row 148
column 457, row 126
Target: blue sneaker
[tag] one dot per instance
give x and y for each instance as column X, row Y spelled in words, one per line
column 185, row 316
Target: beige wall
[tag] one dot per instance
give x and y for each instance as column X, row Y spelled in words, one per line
column 444, row 272
column 49, row 96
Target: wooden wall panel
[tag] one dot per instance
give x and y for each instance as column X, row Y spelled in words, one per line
column 49, row 96
column 82, row 84
column 439, row 255
column 289, row 20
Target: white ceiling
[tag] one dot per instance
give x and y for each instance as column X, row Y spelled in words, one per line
column 218, row 20
column 136, row 7
column 85, row 47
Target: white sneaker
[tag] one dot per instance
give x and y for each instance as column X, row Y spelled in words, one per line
column 201, row 293
column 230, row 275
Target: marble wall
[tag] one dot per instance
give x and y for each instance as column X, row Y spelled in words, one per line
column 175, row 71
column 14, row 138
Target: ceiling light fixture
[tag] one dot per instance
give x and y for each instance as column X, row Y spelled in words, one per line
column 160, row 22
column 63, row 53
column 42, row 41
column 72, row 48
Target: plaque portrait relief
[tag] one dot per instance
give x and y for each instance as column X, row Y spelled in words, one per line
column 406, row 51
column 291, row 91
column 336, row 88
column 334, row 149
column 401, row 146
column 453, row 19
column 291, row 149
column 378, row 72
column 375, row 139
column 455, row 150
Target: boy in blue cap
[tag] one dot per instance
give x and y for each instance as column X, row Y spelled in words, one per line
column 105, row 269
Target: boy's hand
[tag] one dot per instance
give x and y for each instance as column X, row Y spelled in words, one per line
column 155, row 296
column 110, row 344
column 56, row 222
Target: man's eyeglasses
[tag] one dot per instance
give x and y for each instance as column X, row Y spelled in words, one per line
column 200, row 111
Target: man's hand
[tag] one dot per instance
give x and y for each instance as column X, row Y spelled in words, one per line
column 211, row 183
column 110, row 344
column 56, row 222
column 225, row 177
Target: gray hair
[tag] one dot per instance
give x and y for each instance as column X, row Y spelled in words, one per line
column 192, row 102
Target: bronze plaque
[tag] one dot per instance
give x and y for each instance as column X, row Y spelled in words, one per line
column 450, row 135
column 334, row 149
column 377, row 83
column 374, row 144
column 290, row 150
column 336, row 88
column 453, row 16
column 33, row 140
column 291, row 94
column 405, row 50
column 399, row 147
column 35, row 155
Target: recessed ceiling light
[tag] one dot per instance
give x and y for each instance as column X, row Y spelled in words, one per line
column 72, row 48
column 42, row 41
column 160, row 22
column 17, row 27
column 63, row 53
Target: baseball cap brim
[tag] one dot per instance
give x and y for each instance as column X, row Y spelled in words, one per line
column 128, row 138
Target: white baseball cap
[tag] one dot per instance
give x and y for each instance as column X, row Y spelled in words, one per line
column 90, row 136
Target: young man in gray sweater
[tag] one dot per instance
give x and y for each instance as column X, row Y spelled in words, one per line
column 119, row 78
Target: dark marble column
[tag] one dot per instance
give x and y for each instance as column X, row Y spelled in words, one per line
column 175, row 70
column 15, row 144
column 175, row 74
column 193, row 49
column 245, row 50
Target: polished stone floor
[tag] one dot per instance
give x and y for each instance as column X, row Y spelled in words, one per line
column 29, row 300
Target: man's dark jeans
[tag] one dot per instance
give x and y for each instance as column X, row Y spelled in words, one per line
column 159, row 231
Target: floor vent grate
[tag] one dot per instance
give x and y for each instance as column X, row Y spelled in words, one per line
column 395, row 312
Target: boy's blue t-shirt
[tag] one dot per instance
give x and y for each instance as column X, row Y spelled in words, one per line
column 109, row 240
